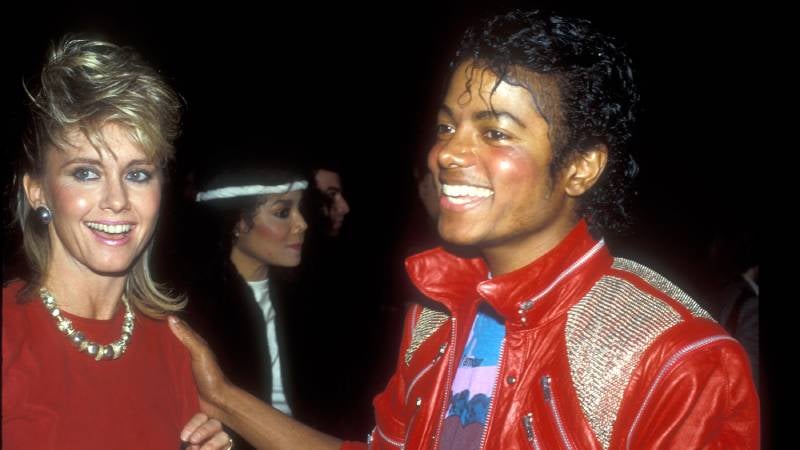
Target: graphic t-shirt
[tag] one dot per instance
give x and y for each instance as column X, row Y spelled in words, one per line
column 473, row 385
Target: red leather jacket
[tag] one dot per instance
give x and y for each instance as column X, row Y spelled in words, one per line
column 599, row 353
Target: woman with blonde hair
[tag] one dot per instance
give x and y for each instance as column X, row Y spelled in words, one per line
column 88, row 362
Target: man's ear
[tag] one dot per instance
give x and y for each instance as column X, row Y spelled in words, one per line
column 585, row 169
column 33, row 191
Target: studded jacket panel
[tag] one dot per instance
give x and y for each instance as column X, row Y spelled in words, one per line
column 599, row 354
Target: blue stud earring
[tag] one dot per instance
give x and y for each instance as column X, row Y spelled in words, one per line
column 44, row 214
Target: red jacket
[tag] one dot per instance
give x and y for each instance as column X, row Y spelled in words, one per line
column 599, row 353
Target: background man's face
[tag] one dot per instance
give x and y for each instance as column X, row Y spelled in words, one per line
column 336, row 207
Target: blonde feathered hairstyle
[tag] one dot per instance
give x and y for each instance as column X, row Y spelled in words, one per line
column 84, row 85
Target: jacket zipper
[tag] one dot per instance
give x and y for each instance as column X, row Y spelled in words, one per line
column 399, row 444
column 422, row 372
column 667, row 366
column 371, row 437
column 394, row 442
column 447, row 383
column 551, row 401
column 527, row 422
column 411, row 420
column 494, row 393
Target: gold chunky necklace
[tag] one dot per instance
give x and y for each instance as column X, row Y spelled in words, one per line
column 97, row 351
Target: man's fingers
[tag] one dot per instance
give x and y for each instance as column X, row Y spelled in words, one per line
column 210, row 379
column 179, row 329
column 193, row 342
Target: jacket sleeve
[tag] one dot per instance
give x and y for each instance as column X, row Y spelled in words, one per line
column 386, row 404
column 701, row 397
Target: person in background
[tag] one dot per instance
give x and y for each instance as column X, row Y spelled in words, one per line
column 732, row 287
column 324, row 304
column 247, row 224
column 328, row 182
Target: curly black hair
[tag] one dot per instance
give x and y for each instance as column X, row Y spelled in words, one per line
column 597, row 95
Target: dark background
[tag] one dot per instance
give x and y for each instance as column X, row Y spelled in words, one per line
column 362, row 83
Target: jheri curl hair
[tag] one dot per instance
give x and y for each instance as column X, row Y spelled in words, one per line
column 594, row 102
column 84, row 85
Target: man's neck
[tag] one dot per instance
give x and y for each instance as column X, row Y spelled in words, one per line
column 514, row 254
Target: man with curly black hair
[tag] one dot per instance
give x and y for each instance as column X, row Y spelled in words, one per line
column 532, row 334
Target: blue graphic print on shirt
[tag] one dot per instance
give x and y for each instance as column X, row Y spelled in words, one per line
column 474, row 381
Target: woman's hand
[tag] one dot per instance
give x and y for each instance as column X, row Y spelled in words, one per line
column 211, row 382
column 204, row 433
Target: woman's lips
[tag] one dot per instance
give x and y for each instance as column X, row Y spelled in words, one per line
column 114, row 240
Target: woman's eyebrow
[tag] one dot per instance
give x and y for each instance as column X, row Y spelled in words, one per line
column 94, row 162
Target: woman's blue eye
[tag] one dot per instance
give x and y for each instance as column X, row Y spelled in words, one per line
column 139, row 176
column 283, row 213
column 85, row 174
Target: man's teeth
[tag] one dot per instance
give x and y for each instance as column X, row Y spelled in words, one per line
column 110, row 229
column 463, row 190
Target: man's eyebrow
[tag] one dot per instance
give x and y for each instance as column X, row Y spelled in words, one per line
column 444, row 109
column 496, row 114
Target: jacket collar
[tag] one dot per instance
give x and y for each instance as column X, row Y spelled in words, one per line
column 528, row 295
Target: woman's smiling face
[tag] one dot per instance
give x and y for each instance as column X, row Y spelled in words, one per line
column 105, row 201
